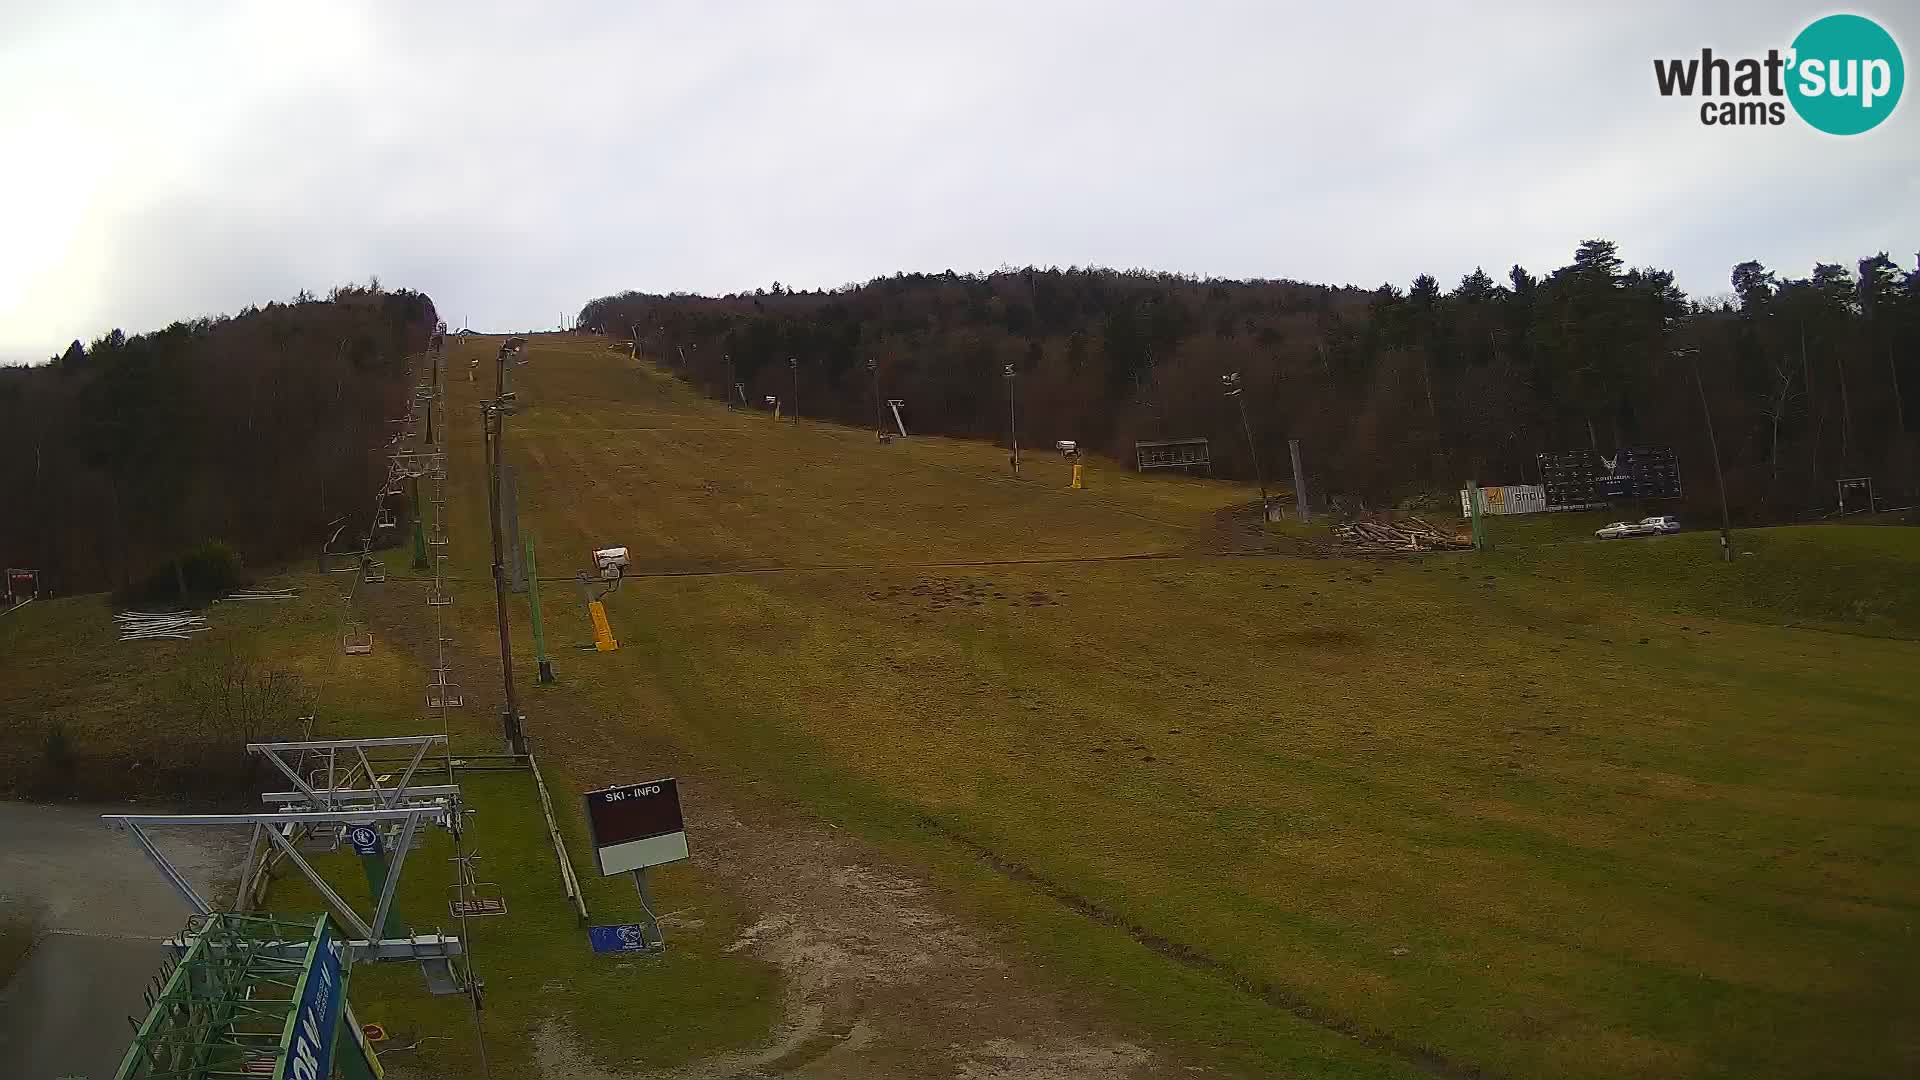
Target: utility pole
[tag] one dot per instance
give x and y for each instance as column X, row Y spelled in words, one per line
column 793, row 364
column 493, row 424
column 1231, row 380
column 726, row 392
column 1713, row 445
column 873, row 368
column 1013, row 423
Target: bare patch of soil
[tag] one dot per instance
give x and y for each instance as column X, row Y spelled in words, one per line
column 879, row 981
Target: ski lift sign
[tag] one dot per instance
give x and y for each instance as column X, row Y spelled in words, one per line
column 636, row 826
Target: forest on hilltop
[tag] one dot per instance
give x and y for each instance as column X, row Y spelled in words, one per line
column 255, row 430
column 1393, row 393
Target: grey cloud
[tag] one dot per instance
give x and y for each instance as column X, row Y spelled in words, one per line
column 515, row 164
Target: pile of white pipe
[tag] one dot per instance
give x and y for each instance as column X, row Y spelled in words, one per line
column 146, row 625
column 261, row 594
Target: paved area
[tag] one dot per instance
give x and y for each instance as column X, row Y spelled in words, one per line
column 100, row 911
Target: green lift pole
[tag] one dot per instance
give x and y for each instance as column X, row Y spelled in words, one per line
column 1481, row 540
column 533, row 602
column 419, row 530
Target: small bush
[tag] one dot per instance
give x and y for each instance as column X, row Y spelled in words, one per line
column 59, row 770
column 206, row 573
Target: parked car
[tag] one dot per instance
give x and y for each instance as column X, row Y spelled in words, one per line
column 1618, row 529
column 1664, row 523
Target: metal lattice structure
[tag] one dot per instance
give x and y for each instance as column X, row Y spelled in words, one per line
column 226, row 1005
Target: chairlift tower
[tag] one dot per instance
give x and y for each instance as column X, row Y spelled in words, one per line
column 494, row 415
column 352, row 801
column 1231, row 381
column 250, row 995
column 1013, row 422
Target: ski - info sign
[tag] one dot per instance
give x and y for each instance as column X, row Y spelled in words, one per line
column 635, row 826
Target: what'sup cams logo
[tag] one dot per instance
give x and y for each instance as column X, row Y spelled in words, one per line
column 1842, row 74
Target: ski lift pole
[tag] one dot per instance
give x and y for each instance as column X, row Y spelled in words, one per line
column 533, row 604
column 1481, row 542
column 419, row 527
column 493, row 429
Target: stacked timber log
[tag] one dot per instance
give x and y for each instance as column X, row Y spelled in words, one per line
column 147, row 626
column 1386, row 537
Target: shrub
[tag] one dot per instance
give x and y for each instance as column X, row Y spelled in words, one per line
column 59, row 771
column 205, row 573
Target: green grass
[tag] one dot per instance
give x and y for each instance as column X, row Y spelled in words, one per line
column 1567, row 809
column 537, row 966
column 535, row 963
column 1563, row 810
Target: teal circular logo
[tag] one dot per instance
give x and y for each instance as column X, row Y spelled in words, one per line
column 1846, row 74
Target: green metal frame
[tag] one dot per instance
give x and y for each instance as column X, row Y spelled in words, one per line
column 227, row 1002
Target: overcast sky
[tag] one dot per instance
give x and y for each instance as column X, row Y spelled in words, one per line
column 170, row 160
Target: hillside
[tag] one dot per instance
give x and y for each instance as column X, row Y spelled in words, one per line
column 1105, row 781
column 1393, row 392
column 1567, row 810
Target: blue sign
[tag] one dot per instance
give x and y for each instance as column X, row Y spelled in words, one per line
column 365, row 839
column 310, row 1052
column 627, row 937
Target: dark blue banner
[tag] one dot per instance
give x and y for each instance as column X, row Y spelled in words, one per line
column 627, row 937
column 310, row 1050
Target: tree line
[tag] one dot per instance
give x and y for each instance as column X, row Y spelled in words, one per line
column 1394, row 392
column 257, row 430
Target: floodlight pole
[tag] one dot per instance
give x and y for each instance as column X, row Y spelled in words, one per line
column 1013, row 424
column 1231, row 381
column 873, row 368
column 1713, row 445
column 726, row 392
column 793, row 364
column 493, row 427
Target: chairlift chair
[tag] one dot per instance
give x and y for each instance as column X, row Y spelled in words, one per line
column 373, row 571
column 357, row 642
column 491, row 904
column 444, row 695
column 338, row 562
column 320, row 841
